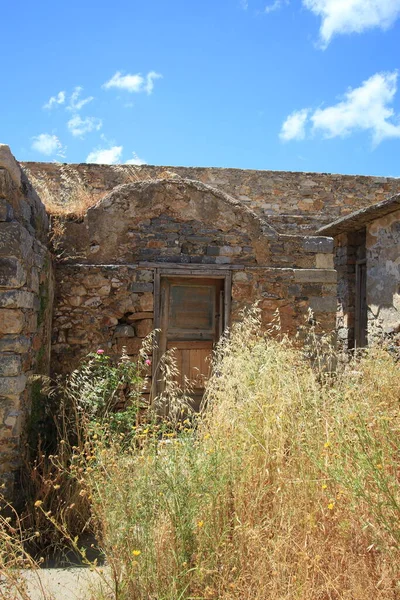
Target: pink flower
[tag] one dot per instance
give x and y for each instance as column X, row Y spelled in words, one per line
column 147, row 362
column 100, row 351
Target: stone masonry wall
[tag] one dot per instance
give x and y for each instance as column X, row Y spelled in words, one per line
column 106, row 272
column 383, row 276
column 292, row 202
column 25, row 307
column 111, row 306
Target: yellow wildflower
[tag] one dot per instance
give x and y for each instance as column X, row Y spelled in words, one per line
column 136, row 552
column 200, row 524
column 38, row 503
column 331, row 505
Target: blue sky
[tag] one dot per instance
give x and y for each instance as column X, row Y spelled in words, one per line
column 302, row 85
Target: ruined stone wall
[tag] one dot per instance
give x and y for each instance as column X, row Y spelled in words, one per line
column 25, row 307
column 292, row 202
column 383, row 276
column 105, row 278
column 112, row 306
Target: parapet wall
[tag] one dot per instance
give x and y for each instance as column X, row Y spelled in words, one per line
column 26, row 293
column 292, row 202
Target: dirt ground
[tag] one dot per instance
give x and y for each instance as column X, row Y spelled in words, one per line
column 73, row 583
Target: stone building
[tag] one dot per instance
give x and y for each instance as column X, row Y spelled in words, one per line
column 183, row 250
column 367, row 261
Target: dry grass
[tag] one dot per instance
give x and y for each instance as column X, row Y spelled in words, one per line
column 287, row 489
column 70, row 196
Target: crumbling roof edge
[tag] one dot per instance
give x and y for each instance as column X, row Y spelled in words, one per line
column 356, row 220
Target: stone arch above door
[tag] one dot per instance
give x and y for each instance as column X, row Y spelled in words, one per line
column 169, row 220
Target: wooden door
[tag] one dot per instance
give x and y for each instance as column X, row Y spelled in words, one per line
column 191, row 322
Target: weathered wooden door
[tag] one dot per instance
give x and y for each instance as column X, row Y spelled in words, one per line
column 192, row 320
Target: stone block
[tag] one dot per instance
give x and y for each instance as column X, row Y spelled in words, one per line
column 230, row 250
column 10, row 387
column 77, row 336
column 223, row 260
column 6, row 211
column 76, row 290
column 93, row 302
column 34, row 280
column 145, row 275
column 240, row 277
column 16, row 299
column 11, row 320
column 15, row 343
column 104, row 290
column 15, row 240
column 95, row 281
column 315, row 275
column 75, row 300
column 327, row 304
column 318, row 244
column 132, row 345
column 12, row 273
column 8, row 162
column 140, row 315
column 10, row 365
column 31, row 321
column 144, row 327
column 324, row 261
column 125, row 331
column 138, row 287
column 7, row 187
column 146, row 302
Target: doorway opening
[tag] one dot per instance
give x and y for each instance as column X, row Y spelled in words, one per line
column 193, row 312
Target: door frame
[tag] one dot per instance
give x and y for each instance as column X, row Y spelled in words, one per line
column 361, row 307
column 187, row 272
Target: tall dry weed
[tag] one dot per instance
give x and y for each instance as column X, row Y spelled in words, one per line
column 286, row 488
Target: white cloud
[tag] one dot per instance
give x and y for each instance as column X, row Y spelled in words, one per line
column 150, row 78
column 352, row 16
column 133, row 83
column 276, row 5
column 244, row 4
column 79, row 127
column 59, row 99
column 135, row 160
column 294, row 127
column 75, row 102
column 105, row 156
column 47, row 144
column 366, row 108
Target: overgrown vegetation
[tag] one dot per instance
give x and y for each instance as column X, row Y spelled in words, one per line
column 286, row 486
